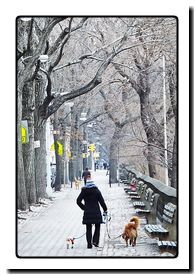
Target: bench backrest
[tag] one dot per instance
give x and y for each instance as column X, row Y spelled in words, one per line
column 148, row 193
column 169, row 213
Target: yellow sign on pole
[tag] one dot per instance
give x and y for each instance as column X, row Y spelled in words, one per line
column 91, row 147
column 23, row 134
column 60, row 148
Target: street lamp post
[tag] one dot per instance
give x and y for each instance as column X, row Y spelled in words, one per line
column 165, row 123
column 85, row 147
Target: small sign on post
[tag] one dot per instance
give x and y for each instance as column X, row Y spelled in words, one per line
column 24, row 131
column 91, row 147
column 36, row 143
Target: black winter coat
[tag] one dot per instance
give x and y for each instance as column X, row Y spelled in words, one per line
column 92, row 198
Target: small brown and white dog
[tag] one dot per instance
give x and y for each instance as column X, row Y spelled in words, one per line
column 130, row 232
column 77, row 183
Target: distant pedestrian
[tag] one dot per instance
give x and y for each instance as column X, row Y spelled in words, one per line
column 105, row 165
column 85, row 174
column 92, row 215
column 95, row 166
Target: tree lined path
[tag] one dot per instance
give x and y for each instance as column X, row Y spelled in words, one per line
column 110, row 82
column 92, row 92
column 45, row 235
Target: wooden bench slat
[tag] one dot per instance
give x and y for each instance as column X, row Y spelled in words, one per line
column 152, row 228
column 132, row 193
column 170, row 214
column 135, row 197
column 167, row 244
column 138, row 210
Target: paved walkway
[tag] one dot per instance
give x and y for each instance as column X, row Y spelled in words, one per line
column 44, row 235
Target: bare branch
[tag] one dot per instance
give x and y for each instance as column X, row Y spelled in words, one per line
column 93, row 118
column 64, row 33
column 80, row 91
column 123, row 74
column 55, row 63
column 23, row 78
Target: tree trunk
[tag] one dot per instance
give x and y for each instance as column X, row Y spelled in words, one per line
column 22, row 202
column 173, row 96
column 113, row 169
column 73, row 146
column 174, row 162
column 40, row 163
column 56, row 135
column 57, row 183
column 71, row 170
column 84, row 148
column 148, row 124
column 28, row 148
column 113, row 159
column 79, row 155
column 40, row 134
column 76, row 148
column 63, row 162
column 151, row 127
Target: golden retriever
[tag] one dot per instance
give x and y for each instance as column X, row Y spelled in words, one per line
column 130, row 231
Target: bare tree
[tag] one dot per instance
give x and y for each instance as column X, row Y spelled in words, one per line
column 84, row 54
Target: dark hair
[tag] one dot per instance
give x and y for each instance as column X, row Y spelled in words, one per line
column 86, row 168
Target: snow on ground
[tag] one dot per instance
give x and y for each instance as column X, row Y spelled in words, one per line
column 37, row 209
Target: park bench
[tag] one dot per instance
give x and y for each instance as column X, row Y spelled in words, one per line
column 127, row 189
column 140, row 191
column 132, row 190
column 149, row 199
column 162, row 230
column 139, row 186
column 156, row 229
column 142, row 211
column 139, row 204
column 143, row 190
column 167, row 246
column 134, row 195
column 124, row 181
column 123, row 176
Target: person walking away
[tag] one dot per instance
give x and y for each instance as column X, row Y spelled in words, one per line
column 105, row 165
column 85, row 174
column 92, row 198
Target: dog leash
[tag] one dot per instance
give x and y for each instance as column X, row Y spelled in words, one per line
column 79, row 237
column 108, row 231
column 110, row 236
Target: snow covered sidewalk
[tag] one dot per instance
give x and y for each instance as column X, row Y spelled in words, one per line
column 45, row 231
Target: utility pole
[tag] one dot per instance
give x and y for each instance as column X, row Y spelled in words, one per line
column 165, row 122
